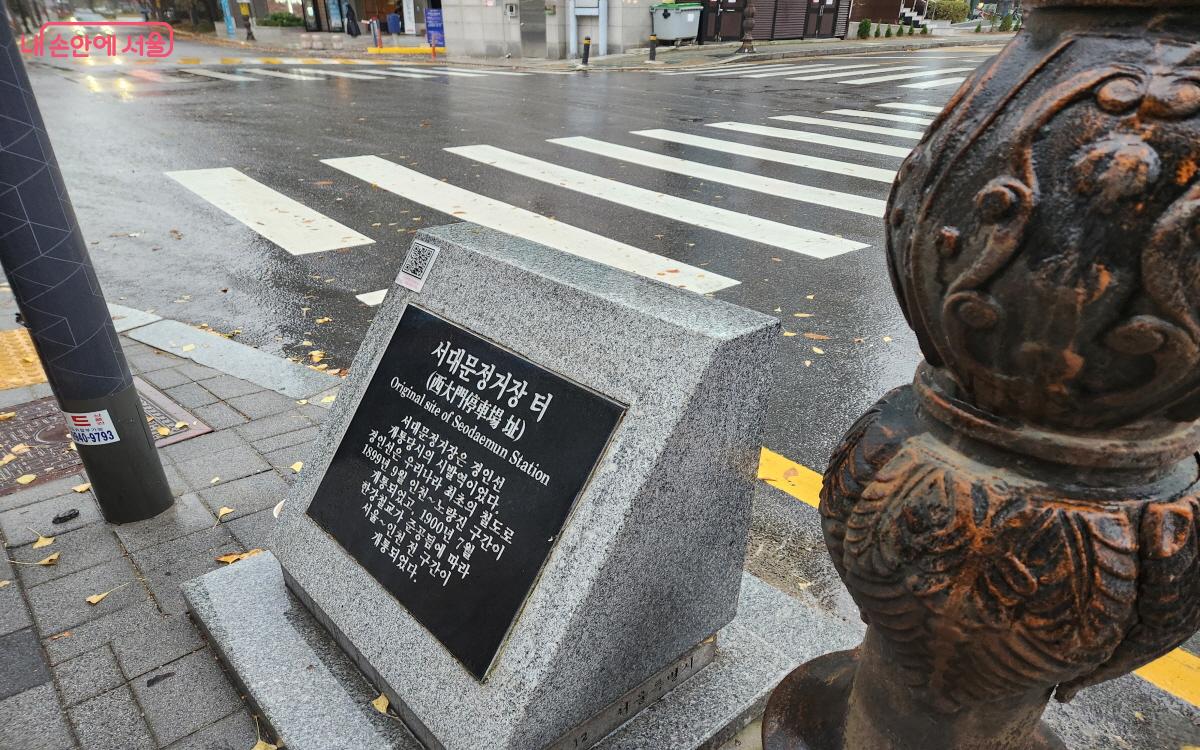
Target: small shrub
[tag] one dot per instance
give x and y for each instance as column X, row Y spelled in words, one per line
column 864, row 28
column 954, row 11
column 1006, row 24
column 281, row 18
column 912, row 30
column 924, row 31
column 889, row 33
column 979, row 28
column 878, row 31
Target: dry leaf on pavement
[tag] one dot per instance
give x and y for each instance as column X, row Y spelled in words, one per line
column 264, row 745
column 320, row 321
column 48, row 561
column 188, row 347
column 214, row 480
column 82, row 487
column 64, row 634
column 224, row 511
column 789, row 333
column 181, row 425
column 278, row 508
column 163, row 431
column 296, row 467
column 4, row 583
column 818, row 350
column 233, row 557
column 328, row 399
column 42, row 541
column 381, row 703
column 302, row 401
column 316, row 355
column 801, row 315
column 5, row 416
column 816, row 337
column 887, row 339
column 95, row 599
column 19, row 449
column 26, row 478
column 8, row 458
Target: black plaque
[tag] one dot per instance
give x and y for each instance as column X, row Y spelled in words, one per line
column 456, row 475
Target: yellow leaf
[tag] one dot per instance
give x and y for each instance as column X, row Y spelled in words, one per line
column 97, row 598
column 164, row 431
column 296, row 467
column 264, row 745
column 816, row 337
column 43, row 541
column 810, row 296
column 181, row 425
column 319, row 321
column 224, row 511
column 328, row 399
column 64, row 634
column 322, row 366
column 188, row 347
column 20, row 449
column 302, row 401
column 48, row 561
column 808, row 363
column 214, row 480
column 230, row 558
column 26, row 478
column 278, row 508
column 4, row 583
column 82, row 487
column 788, row 333
column 316, row 355
column 381, row 703
column 5, row 416
column 887, row 339
column 818, row 350
column 8, row 458
column 72, row 447
column 306, row 343
column 801, row 315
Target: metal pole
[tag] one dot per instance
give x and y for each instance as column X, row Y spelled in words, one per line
column 587, row 48
column 42, row 252
column 653, row 47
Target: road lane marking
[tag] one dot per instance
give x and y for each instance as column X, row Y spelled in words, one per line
column 907, row 76
column 848, row 144
column 1178, row 673
column 777, row 71
column 293, row 226
column 865, row 71
column 752, row 228
column 483, row 71
column 913, row 107
column 440, row 72
column 372, row 76
column 887, row 116
column 221, row 76
column 800, row 482
column 812, row 68
column 396, row 74
column 372, row 298
column 833, row 166
column 281, row 74
column 707, row 68
column 915, row 135
column 455, row 201
column 935, row 84
column 744, row 180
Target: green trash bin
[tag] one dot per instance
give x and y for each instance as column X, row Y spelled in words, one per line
column 675, row 21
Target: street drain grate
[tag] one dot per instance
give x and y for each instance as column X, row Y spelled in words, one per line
column 40, row 426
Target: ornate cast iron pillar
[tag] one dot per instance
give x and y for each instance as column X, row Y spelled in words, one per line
column 1023, row 521
column 747, row 28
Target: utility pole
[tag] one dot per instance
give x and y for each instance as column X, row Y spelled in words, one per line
column 43, row 253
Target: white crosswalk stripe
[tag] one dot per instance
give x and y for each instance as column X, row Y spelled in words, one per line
column 886, row 116
column 489, row 71
column 372, row 76
column 281, row 74
column 454, row 73
column 770, row 71
column 848, row 144
column 842, row 73
column 935, row 84
column 708, row 68
column 906, row 76
column 754, row 229
column 746, row 181
column 856, row 126
column 396, row 73
column 832, row 166
column 468, row 206
column 221, row 76
column 293, row 226
column 913, row 107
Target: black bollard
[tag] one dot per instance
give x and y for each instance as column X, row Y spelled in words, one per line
column 587, row 48
column 653, row 47
column 42, row 252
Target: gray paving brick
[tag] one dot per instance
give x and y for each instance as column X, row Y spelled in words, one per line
column 191, row 395
column 287, row 439
column 88, row 675
column 285, row 457
column 94, row 634
column 40, row 492
column 22, row 664
column 60, row 605
column 219, row 415
column 227, row 387
column 112, row 721
column 317, row 414
column 276, row 424
column 205, row 445
column 198, row 372
column 226, row 466
column 259, row 405
column 185, row 695
column 81, row 549
column 13, row 396
column 175, row 480
column 160, row 555
column 245, row 496
column 188, row 514
column 143, row 363
column 17, row 525
column 253, row 531
column 14, row 615
column 164, row 582
column 234, row 732
column 34, row 720
column 168, row 378
column 154, row 641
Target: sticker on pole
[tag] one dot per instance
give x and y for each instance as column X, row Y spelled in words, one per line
column 92, row 428
column 417, row 265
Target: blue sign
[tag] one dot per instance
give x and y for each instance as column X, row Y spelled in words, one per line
column 230, row 29
column 435, row 32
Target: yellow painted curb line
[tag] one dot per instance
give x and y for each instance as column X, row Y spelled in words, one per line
column 402, row 50
column 1177, row 673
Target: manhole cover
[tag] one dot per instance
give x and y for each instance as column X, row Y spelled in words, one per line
column 37, row 439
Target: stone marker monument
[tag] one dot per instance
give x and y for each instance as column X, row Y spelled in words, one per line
column 527, row 517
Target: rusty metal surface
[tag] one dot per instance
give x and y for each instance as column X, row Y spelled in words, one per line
column 1023, row 521
column 40, row 427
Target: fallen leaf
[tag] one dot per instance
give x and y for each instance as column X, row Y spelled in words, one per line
column 26, row 478
column 176, row 234
column 381, row 703
column 214, row 480
column 306, row 343
column 8, row 458
column 95, row 599
column 818, row 350
column 5, row 416
column 322, row 182
column 789, row 333
column 82, row 487
column 4, row 583
column 163, row 431
column 816, row 337
column 64, row 634
column 321, row 367
column 887, row 339
column 42, row 541
column 801, row 315
column 319, row 321
column 48, row 561
column 296, row 467
column 316, row 355
column 72, row 447
column 328, row 399
column 860, row 341
column 808, row 363
column 149, row 420
column 188, row 347
column 810, row 296
column 181, row 425
column 302, row 401
column 278, row 508
column 19, row 449
column 779, row 309
column 224, row 511
column 233, row 557
column 264, row 745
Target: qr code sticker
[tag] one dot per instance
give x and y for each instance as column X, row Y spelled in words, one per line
column 417, row 265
